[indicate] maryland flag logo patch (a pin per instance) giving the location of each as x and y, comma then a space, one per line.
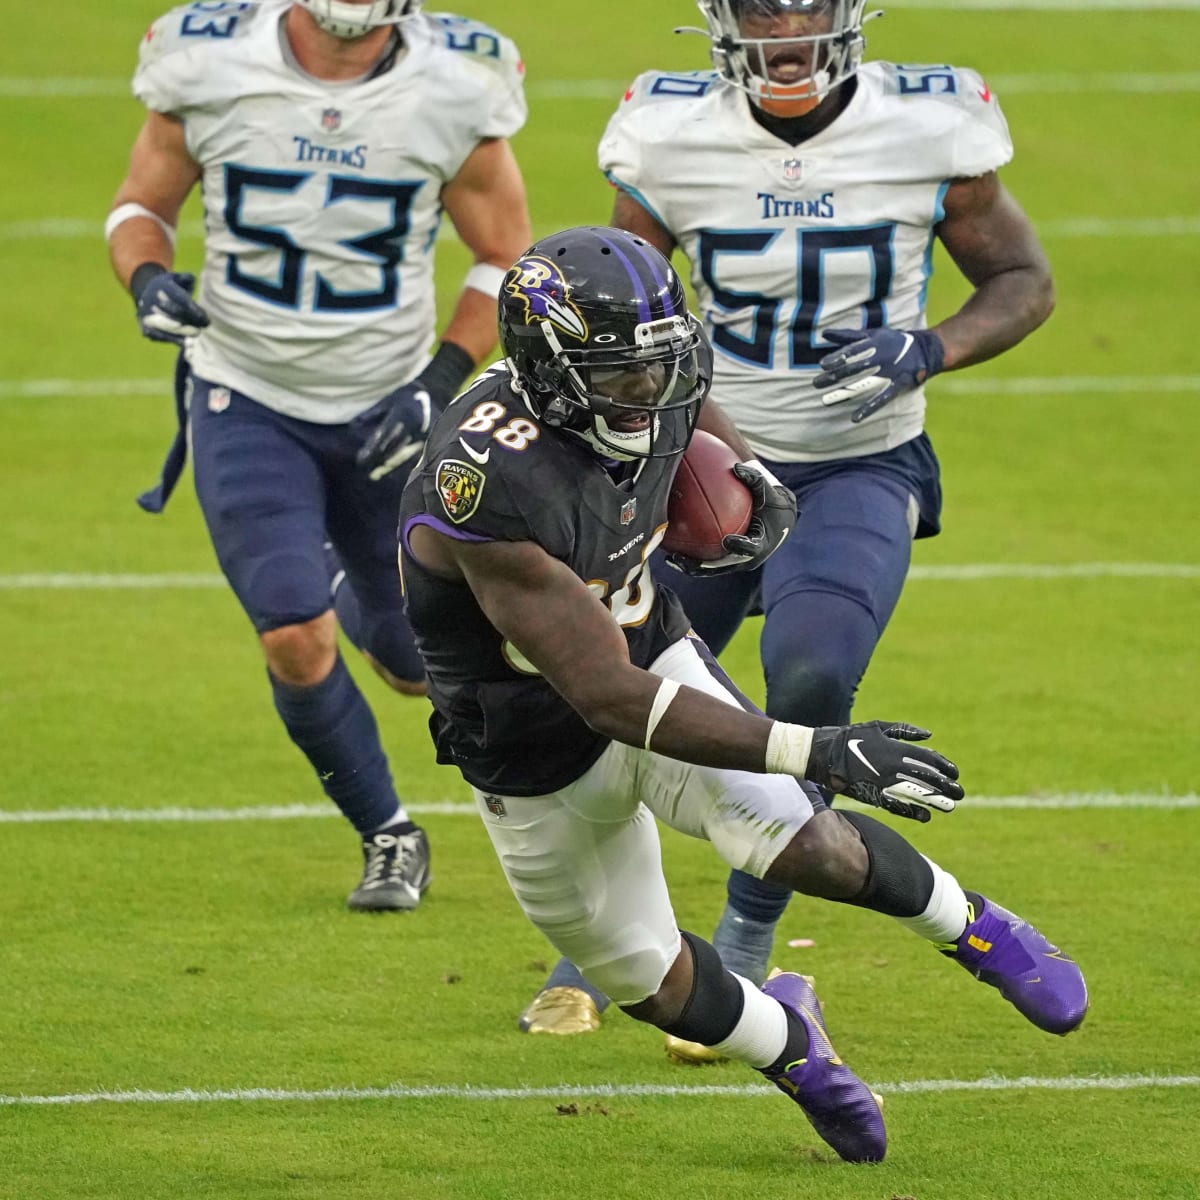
459, 485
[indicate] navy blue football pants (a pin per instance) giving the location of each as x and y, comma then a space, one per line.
273, 490
826, 595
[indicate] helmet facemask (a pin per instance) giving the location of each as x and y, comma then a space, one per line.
626, 401
349, 21
809, 46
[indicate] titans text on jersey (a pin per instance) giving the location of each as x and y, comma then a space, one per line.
788, 241
321, 215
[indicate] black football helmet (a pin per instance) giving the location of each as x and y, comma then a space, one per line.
595, 328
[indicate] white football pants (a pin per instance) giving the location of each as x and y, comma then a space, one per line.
585, 862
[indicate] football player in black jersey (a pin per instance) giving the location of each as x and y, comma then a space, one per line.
570, 694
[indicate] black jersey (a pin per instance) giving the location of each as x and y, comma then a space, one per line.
492, 472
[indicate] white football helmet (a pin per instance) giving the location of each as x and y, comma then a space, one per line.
824, 50
355, 20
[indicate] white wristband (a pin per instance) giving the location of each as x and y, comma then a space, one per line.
788, 749
485, 278
662, 701
127, 212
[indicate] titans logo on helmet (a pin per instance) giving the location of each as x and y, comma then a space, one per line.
546, 294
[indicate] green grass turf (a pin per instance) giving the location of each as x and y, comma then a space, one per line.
206, 956
217, 957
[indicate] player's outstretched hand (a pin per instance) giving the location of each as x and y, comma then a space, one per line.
394, 429
772, 518
874, 764
874, 366
166, 311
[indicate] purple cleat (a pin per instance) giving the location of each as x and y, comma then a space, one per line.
840, 1107
1035, 977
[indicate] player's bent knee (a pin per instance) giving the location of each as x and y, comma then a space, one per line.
388, 645
632, 978
817, 693
826, 858
406, 687
302, 655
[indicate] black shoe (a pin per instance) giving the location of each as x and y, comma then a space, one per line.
395, 871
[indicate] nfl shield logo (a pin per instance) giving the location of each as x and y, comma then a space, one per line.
628, 511
331, 120
793, 168
218, 399
495, 805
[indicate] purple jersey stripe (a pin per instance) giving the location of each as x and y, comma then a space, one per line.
460, 535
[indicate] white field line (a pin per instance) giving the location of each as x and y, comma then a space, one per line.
1106, 227
78, 87
71, 228
971, 385
398, 1091
1113, 570
63, 582
449, 808
1126, 6
956, 573
38, 389
1114, 83
1061, 385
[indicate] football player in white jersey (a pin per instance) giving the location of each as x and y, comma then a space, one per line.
805, 189
327, 137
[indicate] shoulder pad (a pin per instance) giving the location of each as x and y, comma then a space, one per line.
654, 86
965, 115
482, 461
176, 59
956, 86
478, 43
196, 26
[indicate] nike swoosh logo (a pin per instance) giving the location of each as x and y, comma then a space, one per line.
479, 458
986, 94
853, 747
908, 341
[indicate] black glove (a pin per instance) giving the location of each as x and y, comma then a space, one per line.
394, 429
772, 518
166, 311
873, 764
877, 365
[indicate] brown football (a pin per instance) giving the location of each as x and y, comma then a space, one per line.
708, 501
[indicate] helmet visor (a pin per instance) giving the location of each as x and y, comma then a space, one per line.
643, 399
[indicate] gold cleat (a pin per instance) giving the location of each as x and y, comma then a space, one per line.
691, 1054
561, 1010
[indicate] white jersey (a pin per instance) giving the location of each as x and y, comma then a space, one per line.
321, 200
785, 241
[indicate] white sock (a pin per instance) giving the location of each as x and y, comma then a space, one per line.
400, 814
945, 917
761, 1032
